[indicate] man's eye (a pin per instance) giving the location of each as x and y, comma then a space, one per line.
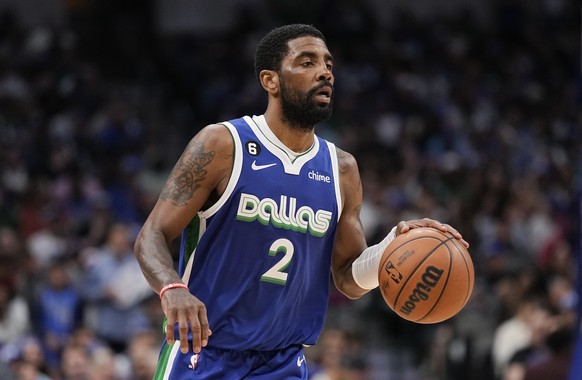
307, 63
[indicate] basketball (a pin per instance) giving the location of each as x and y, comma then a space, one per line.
426, 276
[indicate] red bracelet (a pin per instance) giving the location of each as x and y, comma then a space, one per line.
172, 286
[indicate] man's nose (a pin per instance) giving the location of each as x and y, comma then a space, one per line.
325, 74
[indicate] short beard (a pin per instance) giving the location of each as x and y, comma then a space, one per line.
301, 110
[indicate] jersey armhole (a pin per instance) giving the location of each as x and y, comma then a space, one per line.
335, 168
234, 175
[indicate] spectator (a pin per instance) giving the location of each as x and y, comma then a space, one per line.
75, 363
102, 365
31, 352
51, 241
58, 311
14, 315
28, 360
27, 371
515, 333
558, 362
331, 348
540, 327
114, 288
143, 352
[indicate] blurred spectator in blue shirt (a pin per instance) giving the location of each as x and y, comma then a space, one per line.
114, 288
58, 311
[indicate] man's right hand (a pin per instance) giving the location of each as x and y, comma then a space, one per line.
189, 313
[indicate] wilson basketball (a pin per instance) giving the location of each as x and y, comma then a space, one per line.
426, 276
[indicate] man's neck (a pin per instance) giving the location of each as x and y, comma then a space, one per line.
294, 137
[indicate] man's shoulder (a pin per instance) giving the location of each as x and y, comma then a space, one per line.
223, 127
345, 160
216, 133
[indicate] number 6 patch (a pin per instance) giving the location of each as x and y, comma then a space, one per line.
253, 148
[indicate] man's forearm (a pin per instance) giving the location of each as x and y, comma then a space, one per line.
154, 257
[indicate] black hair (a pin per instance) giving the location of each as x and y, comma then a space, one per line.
273, 46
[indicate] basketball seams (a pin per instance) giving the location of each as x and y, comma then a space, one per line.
436, 302
383, 261
427, 256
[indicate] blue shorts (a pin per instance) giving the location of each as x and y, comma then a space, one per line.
215, 363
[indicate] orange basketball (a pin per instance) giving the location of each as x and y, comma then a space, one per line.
426, 276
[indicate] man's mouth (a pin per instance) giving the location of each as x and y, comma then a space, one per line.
324, 94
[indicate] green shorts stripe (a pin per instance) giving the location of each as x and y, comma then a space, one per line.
166, 361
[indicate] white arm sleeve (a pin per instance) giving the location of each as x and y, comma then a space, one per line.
365, 267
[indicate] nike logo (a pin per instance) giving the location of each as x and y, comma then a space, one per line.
254, 166
300, 360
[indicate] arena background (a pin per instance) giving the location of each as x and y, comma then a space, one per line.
466, 111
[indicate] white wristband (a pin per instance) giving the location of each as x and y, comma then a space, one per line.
365, 267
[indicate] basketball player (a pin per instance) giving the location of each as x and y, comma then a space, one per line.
265, 209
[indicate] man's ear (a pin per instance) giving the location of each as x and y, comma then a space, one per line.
270, 81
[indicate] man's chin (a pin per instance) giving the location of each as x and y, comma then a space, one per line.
324, 106
307, 116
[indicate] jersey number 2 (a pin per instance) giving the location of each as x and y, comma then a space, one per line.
275, 274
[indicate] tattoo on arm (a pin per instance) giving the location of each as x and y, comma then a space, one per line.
187, 174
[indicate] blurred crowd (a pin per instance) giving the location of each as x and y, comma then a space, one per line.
469, 120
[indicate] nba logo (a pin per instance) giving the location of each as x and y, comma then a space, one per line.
393, 272
194, 361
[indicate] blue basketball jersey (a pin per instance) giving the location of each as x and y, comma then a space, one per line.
260, 257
